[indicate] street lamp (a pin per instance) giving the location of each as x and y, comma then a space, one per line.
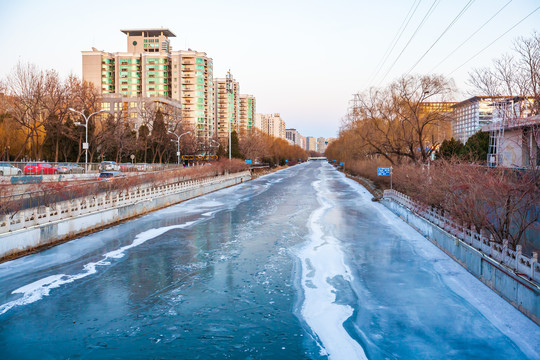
214, 146
85, 145
178, 143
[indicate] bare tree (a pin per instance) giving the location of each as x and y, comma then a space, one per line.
515, 74
393, 123
26, 86
56, 102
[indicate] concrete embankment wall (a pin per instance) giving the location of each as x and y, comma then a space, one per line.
517, 290
35, 228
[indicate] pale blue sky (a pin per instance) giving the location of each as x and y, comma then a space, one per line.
303, 59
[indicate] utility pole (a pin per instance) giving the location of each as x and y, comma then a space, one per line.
229, 86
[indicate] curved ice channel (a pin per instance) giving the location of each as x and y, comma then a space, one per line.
322, 260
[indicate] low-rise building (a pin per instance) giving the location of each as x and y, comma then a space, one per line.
440, 128
471, 115
517, 143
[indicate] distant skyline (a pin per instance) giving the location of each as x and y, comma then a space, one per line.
302, 59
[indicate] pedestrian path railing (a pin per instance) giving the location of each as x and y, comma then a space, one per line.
92, 204
513, 259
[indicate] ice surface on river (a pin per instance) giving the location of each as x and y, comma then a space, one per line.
298, 264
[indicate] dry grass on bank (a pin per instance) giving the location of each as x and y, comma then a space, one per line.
503, 202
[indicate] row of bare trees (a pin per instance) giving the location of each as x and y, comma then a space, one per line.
36, 123
393, 122
35, 111
392, 127
516, 73
269, 149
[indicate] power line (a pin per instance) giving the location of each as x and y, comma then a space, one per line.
467, 6
429, 12
476, 32
491, 43
398, 35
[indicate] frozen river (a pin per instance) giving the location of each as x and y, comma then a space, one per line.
299, 264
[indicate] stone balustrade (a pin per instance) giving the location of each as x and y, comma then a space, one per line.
501, 253
91, 204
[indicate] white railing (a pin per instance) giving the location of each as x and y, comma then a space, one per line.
501, 253
95, 203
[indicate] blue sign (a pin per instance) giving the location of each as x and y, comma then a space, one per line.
341, 163
286, 161
384, 171
248, 162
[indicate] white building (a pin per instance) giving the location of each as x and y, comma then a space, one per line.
271, 124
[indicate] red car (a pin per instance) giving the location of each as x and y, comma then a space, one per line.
39, 168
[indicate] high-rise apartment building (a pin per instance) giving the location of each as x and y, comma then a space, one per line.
293, 137
193, 85
151, 70
227, 106
311, 143
303, 142
261, 122
246, 117
321, 145
271, 124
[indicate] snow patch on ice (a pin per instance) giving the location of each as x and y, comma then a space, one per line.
321, 260
36, 290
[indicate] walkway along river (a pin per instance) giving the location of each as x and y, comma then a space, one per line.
297, 264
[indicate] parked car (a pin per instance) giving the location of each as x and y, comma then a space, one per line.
109, 166
39, 168
141, 166
70, 168
128, 167
8, 169
110, 175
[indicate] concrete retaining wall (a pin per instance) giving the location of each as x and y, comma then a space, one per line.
514, 288
41, 227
